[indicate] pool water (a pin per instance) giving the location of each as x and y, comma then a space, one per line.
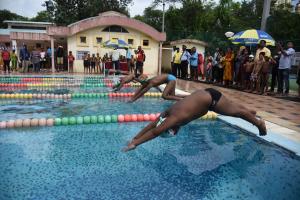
206, 160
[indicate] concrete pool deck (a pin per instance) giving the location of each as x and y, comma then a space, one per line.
282, 116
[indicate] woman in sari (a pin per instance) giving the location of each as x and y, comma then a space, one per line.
228, 67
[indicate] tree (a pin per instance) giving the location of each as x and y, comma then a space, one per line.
7, 15
42, 16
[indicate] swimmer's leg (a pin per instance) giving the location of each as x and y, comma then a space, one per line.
152, 132
227, 107
169, 92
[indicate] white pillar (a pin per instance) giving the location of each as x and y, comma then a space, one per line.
159, 58
266, 14
52, 55
14, 46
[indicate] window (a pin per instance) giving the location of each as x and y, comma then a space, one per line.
116, 29
80, 54
146, 43
99, 40
82, 39
130, 41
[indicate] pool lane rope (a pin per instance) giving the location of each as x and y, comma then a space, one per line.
75, 95
94, 119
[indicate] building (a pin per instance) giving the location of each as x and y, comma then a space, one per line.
168, 48
87, 35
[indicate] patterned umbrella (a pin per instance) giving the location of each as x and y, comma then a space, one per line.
252, 37
115, 43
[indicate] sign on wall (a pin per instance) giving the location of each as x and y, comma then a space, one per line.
80, 54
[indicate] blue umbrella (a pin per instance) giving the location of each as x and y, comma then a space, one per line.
115, 43
252, 37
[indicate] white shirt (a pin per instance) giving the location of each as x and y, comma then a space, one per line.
115, 55
285, 61
43, 54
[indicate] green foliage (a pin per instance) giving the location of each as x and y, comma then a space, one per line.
42, 16
7, 15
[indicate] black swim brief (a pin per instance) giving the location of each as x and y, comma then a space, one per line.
215, 96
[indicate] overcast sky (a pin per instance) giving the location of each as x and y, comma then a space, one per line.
29, 8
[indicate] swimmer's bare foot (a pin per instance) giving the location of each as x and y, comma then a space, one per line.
262, 128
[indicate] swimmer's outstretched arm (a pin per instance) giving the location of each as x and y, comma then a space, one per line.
140, 92
151, 133
122, 82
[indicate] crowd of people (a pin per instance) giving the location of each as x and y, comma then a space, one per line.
96, 64
241, 70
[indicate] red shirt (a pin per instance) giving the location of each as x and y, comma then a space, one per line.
71, 58
5, 55
140, 56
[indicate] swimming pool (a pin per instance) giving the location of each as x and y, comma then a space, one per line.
207, 160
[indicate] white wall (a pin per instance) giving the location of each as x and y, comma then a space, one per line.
150, 65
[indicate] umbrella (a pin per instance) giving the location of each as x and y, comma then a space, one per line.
115, 43
252, 37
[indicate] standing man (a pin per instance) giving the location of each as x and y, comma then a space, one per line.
115, 56
215, 67
185, 57
176, 63
174, 72
194, 64
140, 59
60, 58
262, 48
128, 59
36, 59
24, 57
6, 60
275, 66
285, 64
49, 56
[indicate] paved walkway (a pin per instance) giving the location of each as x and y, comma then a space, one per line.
278, 111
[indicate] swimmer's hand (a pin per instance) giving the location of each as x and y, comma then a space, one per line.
129, 147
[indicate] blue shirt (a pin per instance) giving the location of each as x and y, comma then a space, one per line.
24, 54
194, 59
185, 56
128, 54
49, 52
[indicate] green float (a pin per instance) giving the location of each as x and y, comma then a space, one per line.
57, 121
79, 120
72, 120
107, 119
64, 121
100, 119
94, 119
86, 119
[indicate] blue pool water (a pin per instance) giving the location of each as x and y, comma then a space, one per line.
206, 160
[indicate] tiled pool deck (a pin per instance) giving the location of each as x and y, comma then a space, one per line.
282, 116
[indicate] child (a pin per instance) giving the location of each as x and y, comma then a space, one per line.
209, 70
249, 65
256, 73
98, 62
264, 76
71, 61
88, 58
131, 64
85, 63
93, 63
14, 60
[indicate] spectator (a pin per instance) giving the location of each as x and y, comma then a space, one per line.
88, 62
228, 67
248, 66
185, 57
24, 56
215, 67
208, 70
14, 60
275, 64
285, 64
105, 59
140, 59
60, 58
43, 58
174, 50
255, 75
241, 73
98, 63
176, 63
6, 60
221, 67
115, 56
194, 64
36, 59
49, 56
128, 59
264, 76
71, 59
262, 48
200, 63
208, 59
298, 80
85, 63
93, 63
1, 60
239, 59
